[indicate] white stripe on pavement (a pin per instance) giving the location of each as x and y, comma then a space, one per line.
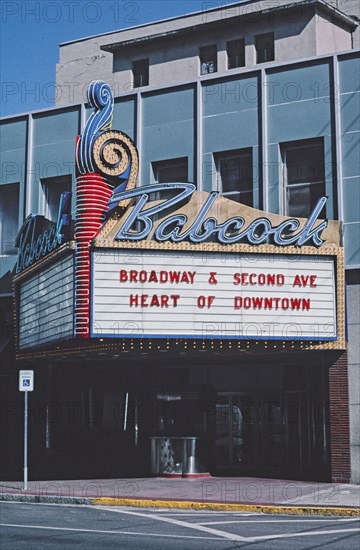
186, 524
276, 521
172, 512
224, 534
98, 531
305, 534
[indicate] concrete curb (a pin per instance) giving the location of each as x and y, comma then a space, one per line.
193, 505
185, 505
44, 499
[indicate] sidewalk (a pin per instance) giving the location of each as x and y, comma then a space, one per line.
245, 493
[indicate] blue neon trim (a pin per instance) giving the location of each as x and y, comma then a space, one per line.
91, 298
225, 337
74, 293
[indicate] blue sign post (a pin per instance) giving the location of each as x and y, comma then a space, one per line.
26, 384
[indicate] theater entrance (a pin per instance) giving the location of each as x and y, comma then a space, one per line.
271, 434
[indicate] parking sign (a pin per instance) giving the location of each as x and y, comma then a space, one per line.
26, 380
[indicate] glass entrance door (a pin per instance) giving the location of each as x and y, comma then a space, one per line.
223, 444
230, 450
262, 433
295, 430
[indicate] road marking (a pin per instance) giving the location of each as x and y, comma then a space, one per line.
221, 534
305, 534
98, 531
230, 536
50, 504
171, 512
168, 511
274, 521
186, 524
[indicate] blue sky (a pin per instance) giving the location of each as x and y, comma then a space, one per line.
32, 30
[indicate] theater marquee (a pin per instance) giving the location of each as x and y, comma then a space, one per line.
168, 294
171, 262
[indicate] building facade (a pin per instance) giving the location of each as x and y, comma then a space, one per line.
262, 106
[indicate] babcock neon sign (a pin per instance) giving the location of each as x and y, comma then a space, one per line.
204, 228
39, 236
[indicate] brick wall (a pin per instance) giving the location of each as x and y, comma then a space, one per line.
339, 420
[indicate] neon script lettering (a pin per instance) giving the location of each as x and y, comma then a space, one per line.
33, 245
38, 236
138, 225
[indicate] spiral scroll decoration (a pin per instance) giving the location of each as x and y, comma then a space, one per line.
115, 156
99, 96
107, 162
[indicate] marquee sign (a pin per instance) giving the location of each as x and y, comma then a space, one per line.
168, 294
168, 261
46, 305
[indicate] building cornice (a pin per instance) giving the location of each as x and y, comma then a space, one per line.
150, 31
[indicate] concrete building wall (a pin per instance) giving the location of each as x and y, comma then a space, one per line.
352, 8
329, 37
73, 76
80, 49
174, 54
178, 58
353, 316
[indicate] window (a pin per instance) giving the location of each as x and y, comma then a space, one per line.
236, 53
52, 189
234, 173
208, 59
9, 217
140, 70
303, 176
171, 171
264, 44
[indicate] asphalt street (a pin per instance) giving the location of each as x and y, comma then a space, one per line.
52, 526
